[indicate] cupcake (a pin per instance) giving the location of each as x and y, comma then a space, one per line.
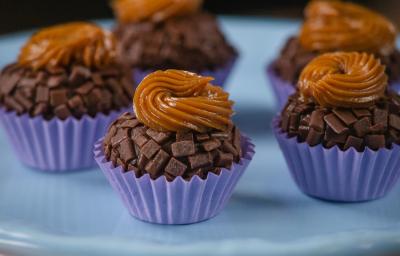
171, 34
61, 93
340, 132
179, 157
331, 26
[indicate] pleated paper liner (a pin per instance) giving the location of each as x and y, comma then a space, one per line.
55, 145
337, 175
220, 74
179, 201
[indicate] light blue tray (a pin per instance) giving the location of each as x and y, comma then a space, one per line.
79, 214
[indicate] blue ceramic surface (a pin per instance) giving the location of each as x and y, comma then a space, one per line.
79, 214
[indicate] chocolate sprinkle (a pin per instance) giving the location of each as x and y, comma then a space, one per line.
193, 42
64, 92
375, 127
143, 150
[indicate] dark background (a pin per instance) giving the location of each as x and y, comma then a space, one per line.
16, 15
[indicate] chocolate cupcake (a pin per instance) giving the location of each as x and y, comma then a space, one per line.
180, 150
164, 34
340, 133
331, 26
60, 94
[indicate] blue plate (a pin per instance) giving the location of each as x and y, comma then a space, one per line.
79, 214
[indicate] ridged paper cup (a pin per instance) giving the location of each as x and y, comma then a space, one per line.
220, 74
337, 175
179, 201
55, 145
282, 89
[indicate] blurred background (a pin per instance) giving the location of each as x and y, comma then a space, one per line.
19, 15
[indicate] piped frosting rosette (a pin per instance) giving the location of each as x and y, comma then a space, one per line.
155, 10
335, 25
174, 100
76, 42
343, 80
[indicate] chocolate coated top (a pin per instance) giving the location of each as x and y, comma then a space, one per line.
193, 42
376, 127
135, 147
63, 92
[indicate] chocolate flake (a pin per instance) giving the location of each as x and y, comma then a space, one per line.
183, 148
150, 148
335, 124
133, 146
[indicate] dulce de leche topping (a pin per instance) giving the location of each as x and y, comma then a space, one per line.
343, 79
155, 10
60, 45
175, 100
334, 25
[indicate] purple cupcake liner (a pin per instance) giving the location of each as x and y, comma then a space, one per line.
179, 201
337, 175
220, 74
282, 89
55, 145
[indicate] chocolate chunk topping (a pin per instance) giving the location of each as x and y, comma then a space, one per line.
200, 160
314, 137
293, 58
150, 148
211, 144
374, 127
63, 92
175, 167
62, 111
335, 124
159, 137
58, 97
42, 94
394, 121
55, 81
361, 112
127, 151
353, 142
9, 83
155, 165
317, 121
345, 115
184, 136
362, 126
183, 148
375, 141
380, 116
138, 148
191, 42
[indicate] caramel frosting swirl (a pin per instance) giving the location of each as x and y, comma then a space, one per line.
128, 11
343, 79
76, 42
176, 100
338, 26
